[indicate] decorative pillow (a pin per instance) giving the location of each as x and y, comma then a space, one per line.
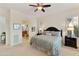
46, 33
52, 33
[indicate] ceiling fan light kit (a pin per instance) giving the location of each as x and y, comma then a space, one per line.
40, 6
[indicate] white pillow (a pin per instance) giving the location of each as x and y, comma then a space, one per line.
47, 33
52, 33
55, 33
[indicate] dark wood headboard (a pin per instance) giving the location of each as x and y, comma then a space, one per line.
53, 29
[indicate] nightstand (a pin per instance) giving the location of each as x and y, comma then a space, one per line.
71, 41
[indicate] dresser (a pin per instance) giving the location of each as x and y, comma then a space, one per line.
71, 42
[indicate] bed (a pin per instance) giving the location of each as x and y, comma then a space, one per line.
50, 43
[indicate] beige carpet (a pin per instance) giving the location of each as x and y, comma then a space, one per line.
26, 50
69, 51
20, 50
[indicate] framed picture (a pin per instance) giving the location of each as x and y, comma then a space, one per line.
16, 26
33, 29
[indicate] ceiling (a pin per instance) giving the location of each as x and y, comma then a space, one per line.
29, 11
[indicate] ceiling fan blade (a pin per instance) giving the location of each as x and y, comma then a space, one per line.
43, 10
35, 10
33, 5
46, 5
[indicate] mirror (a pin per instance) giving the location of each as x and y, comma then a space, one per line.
72, 26
16, 26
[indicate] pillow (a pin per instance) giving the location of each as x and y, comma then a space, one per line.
52, 33
55, 33
46, 33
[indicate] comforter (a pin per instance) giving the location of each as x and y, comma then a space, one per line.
48, 42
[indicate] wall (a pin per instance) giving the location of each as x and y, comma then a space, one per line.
33, 24
2, 24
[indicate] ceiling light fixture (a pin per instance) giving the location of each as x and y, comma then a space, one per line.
40, 6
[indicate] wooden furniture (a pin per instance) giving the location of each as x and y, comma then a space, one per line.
25, 33
70, 41
53, 29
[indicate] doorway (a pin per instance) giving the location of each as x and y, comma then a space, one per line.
2, 30
25, 32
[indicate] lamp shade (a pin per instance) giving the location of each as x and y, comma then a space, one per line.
70, 27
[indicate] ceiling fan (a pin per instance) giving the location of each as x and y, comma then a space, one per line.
40, 6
